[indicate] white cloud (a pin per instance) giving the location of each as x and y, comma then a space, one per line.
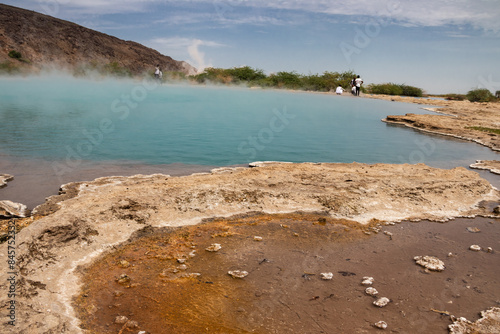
481, 14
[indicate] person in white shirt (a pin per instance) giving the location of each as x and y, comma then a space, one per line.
157, 72
339, 90
358, 82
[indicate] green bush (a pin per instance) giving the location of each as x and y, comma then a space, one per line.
15, 54
455, 97
394, 89
480, 95
289, 80
497, 94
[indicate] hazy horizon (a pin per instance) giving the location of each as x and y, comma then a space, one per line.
439, 46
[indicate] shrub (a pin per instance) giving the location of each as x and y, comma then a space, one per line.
497, 94
15, 54
480, 95
394, 89
454, 97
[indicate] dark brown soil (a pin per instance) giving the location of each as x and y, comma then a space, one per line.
283, 292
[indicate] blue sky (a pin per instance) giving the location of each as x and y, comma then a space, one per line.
441, 46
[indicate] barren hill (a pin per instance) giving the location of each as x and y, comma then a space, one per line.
42, 40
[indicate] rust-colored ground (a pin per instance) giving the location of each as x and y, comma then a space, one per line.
283, 292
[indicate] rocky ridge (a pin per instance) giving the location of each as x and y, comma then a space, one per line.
45, 41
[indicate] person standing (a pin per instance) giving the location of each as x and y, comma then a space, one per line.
157, 72
358, 83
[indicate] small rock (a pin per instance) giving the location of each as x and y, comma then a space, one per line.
388, 233
381, 324
450, 254
367, 280
124, 264
191, 275
117, 293
237, 273
496, 210
123, 279
257, 238
430, 262
326, 276
473, 229
9, 209
192, 253
489, 250
295, 234
121, 319
182, 267
213, 248
381, 302
475, 248
181, 261
371, 291
132, 324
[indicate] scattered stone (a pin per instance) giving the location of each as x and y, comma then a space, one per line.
371, 291
367, 280
121, 319
388, 233
489, 250
381, 324
381, 302
123, 279
182, 267
450, 254
118, 293
430, 262
141, 332
237, 273
213, 248
9, 209
4, 178
124, 264
326, 276
475, 248
295, 234
257, 238
191, 275
182, 261
192, 253
489, 323
132, 324
473, 229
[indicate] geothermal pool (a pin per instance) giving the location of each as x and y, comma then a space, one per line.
58, 128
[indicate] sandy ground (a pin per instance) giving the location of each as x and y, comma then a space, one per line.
457, 119
90, 219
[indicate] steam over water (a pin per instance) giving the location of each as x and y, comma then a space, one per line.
62, 126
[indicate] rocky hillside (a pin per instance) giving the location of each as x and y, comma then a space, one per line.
40, 40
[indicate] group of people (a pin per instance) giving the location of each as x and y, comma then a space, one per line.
356, 83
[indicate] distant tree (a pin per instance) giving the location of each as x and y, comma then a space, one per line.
497, 94
480, 95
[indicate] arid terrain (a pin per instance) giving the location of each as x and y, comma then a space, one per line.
326, 212
473, 121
